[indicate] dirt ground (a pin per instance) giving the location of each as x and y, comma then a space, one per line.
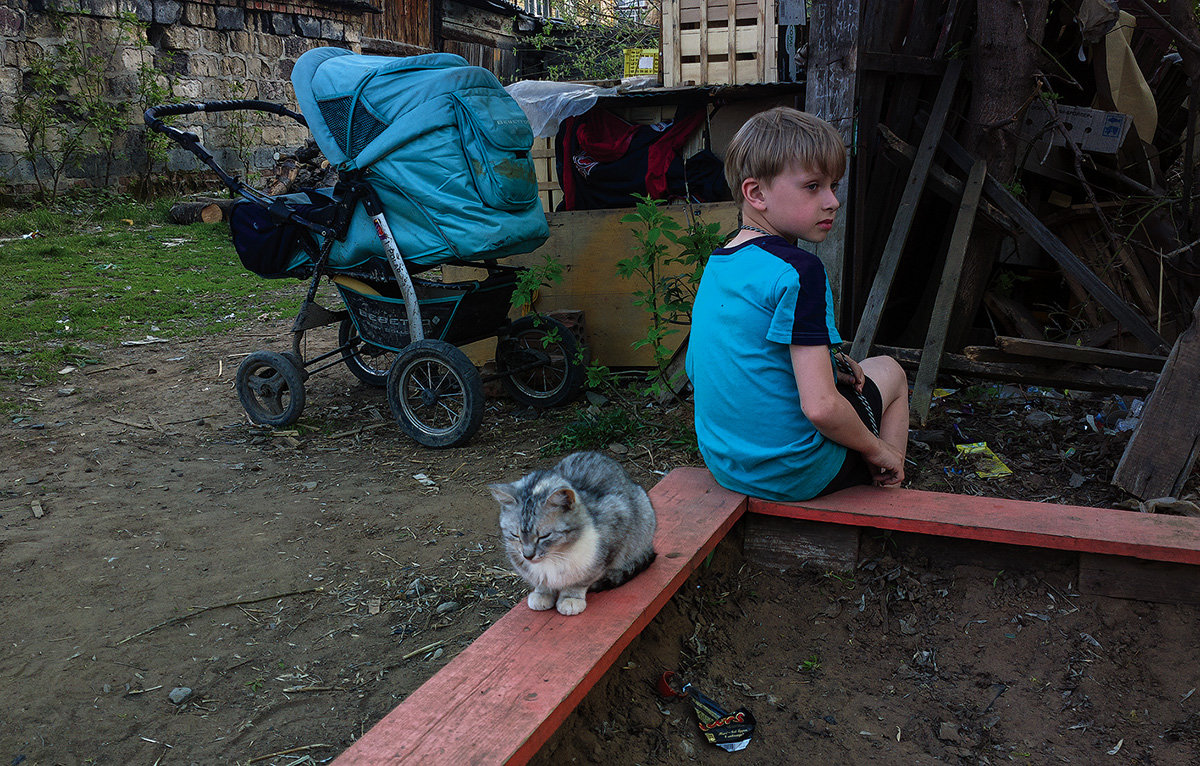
334, 581
301, 585
909, 661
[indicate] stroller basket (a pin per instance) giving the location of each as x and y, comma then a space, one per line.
454, 312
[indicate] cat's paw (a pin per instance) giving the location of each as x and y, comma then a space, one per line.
540, 602
569, 606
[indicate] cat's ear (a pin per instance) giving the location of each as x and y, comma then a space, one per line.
503, 494
561, 499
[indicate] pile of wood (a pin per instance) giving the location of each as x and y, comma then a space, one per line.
1028, 211
306, 168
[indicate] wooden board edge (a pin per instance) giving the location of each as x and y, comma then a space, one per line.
1066, 540
559, 715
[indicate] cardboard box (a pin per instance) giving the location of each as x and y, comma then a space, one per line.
1093, 130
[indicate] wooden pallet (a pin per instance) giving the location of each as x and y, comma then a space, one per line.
719, 42
500, 699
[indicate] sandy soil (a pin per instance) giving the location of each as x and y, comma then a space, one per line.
302, 585
909, 661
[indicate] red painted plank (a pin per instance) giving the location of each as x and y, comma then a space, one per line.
505, 694
1043, 525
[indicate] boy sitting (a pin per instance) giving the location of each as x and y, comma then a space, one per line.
780, 413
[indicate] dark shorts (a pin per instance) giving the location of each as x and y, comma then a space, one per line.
855, 470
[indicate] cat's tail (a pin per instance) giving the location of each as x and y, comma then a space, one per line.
615, 577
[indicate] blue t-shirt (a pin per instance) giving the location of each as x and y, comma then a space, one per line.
755, 300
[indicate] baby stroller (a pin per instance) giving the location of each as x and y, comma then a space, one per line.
434, 169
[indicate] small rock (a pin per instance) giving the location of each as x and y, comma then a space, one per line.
447, 606
617, 448
180, 695
32, 479
687, 748
1038, 419
307, 486
595, 399
67, 391
1076, 481
948, 732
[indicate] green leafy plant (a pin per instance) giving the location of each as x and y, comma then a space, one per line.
156, 81
586, 39
62, 107
667, 262
810, 665
532, 279
241, 133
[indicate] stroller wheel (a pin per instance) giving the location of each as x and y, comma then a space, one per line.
540, 360
271, 388
297, 361
368, 362
436, 394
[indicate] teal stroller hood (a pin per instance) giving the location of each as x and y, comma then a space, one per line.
440, 141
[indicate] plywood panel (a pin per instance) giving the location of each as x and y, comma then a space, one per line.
589, 243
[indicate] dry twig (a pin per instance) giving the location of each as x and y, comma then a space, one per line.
202, 610
289, 751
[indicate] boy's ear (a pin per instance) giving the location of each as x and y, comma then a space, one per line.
752, 192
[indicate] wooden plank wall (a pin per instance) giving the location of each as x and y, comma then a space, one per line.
402, 21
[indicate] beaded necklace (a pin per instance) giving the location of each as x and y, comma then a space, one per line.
748, 227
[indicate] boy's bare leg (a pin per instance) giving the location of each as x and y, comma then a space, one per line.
889, 376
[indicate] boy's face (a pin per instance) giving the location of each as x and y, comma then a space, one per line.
800, 204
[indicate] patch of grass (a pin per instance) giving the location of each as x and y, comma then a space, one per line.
114, 272
597, 429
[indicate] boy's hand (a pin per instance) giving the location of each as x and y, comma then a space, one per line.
887, 465
855, 376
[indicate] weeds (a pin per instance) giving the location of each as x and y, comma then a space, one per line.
600, 427
669, 279
597, 429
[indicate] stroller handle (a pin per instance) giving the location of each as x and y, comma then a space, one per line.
155, 113
190, 141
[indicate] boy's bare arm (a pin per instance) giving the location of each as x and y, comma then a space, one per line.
835, 418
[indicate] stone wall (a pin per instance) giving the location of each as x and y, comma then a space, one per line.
216, 49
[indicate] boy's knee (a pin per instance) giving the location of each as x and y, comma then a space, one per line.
888, 375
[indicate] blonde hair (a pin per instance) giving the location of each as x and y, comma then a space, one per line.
772, 141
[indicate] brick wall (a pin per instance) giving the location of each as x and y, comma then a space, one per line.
219, 50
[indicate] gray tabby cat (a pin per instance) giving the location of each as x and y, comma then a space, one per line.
582, 525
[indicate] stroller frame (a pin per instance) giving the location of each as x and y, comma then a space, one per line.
433, 389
